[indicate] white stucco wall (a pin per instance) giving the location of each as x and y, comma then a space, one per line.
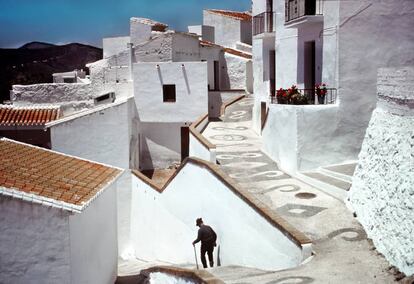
93, 240
123, 192
217, 99
382, 188
34, 243
349, 36
234, 75
138, 31
114, 45
185, 47
198, 150
211, 54
101, 136
190, 79
158, 49
386, 22
261, 75
258, 7
160, 144
205, 32
163, 224
227, 31
298, 137
52, 93
246, 32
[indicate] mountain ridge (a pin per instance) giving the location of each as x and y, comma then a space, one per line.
35, 62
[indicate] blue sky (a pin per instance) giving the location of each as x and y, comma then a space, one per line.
87, 21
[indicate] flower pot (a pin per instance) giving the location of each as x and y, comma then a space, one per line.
321, 99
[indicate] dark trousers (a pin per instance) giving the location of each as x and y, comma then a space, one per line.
207, 248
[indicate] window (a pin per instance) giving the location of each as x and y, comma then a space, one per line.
106, 98
68, 80
168, 93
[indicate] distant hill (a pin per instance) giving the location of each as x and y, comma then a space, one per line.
36, 45
35, 62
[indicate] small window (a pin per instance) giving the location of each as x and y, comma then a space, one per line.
68, 80
168, 93
106, 98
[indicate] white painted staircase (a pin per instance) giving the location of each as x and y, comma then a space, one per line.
334, 180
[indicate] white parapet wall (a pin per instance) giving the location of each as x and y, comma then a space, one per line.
200, 147
101, 134
52, 93
114, 45
163, 224
382, 192
301, 137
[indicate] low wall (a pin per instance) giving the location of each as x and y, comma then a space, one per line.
382, 189
101, 134
52, 93
302, 137
200, 147
163, 221
235, 73
216, 100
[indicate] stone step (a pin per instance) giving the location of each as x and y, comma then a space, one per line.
236, 273
343, 172
330, 185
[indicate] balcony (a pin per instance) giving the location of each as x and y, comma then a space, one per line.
263, 23
298, 12
310, 97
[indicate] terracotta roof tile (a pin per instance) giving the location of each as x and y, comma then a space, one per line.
27, 116
243, 16
49, 174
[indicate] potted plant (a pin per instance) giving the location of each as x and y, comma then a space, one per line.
295, 97
282, 96
321, 91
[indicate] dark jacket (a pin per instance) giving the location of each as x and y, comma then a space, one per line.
206, 235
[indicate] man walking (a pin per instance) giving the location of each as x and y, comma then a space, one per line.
208, 238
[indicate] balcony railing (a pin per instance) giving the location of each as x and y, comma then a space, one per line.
312, 98
263, 23
295, 9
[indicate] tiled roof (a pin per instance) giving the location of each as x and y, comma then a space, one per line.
149, 22
27, 116
243, 16
46, 175
226, 49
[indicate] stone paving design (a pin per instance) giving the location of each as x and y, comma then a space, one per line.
298, 210
324, 219
360, 234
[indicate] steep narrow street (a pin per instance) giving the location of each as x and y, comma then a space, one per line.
342, 250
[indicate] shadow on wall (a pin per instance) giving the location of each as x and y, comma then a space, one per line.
224, 74
160, 144
133, 116
186, 79
145, 161
309, 56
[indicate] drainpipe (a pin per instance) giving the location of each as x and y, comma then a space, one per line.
130, 58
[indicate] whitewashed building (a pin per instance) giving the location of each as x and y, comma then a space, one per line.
174, 77
58, 216
342, 44
230, 27
76, 76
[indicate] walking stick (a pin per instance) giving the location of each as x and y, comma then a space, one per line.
195, 255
